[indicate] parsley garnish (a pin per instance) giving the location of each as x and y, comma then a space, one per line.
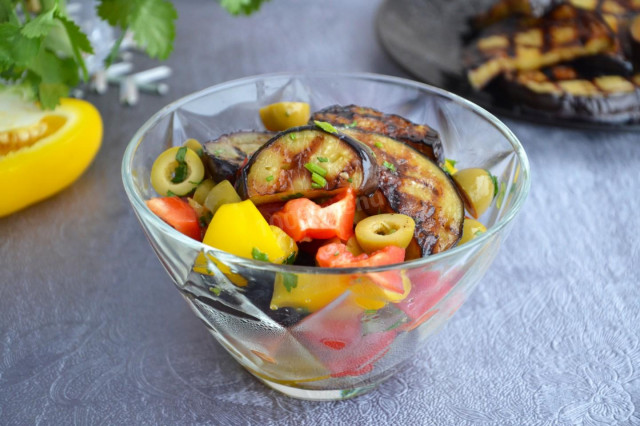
350, 180
289, 281
292, 136
314, 168
378, 144
323, 159
495, 183
182, 151
215, 290
290, 259
269, 178
217, 152
327, 127
170, 193
389, 166
336, 253
258, 255
354, 123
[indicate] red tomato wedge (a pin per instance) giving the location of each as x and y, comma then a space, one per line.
177, 213
303, 219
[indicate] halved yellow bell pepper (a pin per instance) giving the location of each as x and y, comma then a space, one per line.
43, 152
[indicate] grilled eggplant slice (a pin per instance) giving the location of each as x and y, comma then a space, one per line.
563, 34
414, 185
225, 155
307, 162
564, 92
420, 136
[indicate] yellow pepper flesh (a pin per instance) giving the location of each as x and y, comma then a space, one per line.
62, 153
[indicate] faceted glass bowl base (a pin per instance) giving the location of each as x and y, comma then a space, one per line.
317, 395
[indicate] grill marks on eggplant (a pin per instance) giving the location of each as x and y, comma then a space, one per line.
277, 170
420, 136
414, 185
563, 34
566, 92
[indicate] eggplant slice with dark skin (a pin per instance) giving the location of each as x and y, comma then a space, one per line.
283, 168
420, 136
562, 91
565, 33
227, 154
414, 185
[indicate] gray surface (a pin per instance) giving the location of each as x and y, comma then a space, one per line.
93, 332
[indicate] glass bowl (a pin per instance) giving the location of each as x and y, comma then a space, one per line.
352, 342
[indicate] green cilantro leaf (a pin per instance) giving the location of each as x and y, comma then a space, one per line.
79, 42
289, 281
50, 94
290, 259
215, 290
495, 184
241, 7
389, 166
258, 255
327, 127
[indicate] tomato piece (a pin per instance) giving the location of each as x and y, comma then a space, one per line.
337, 255
177, 213
303, 219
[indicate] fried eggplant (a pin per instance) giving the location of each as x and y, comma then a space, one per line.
420, 136
225, 155
562, 91
414, 185
563, 34
307, 162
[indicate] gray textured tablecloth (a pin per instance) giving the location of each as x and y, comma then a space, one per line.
93, 332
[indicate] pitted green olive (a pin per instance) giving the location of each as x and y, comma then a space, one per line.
471, 229
284, 115
477, 188
382, 230
203, 190
222, 193
177, 171
194, 145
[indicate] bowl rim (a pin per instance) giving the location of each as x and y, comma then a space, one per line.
140, 206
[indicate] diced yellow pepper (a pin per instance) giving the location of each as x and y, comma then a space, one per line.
307, 291
369, 295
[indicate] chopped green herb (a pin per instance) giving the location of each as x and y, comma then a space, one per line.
370, 311
314, 168
449, 166
316, 186
350, 180
389, 166
170, 194
269, 178
495, 183
396, 324
336, 253
478, 233
180, 173
202, 221
378, 144
353, 124
258, 255
293, 196
323, 159
289, 281
290, 259
318, 179
215, 290
182, 151
292, 136
200, 152
327, 127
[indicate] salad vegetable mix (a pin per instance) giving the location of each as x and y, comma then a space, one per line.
344, 187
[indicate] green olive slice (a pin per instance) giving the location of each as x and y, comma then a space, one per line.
477, 188
382, 230
165, 177
471, 229
203, 190
222, 193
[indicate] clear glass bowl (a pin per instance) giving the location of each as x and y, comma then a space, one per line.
352, 344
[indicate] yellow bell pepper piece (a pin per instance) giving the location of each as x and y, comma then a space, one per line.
307, 291
240, 229
369, 295
43, 152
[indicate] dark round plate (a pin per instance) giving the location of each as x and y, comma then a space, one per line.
425, 38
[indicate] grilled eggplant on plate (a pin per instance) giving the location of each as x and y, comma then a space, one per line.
573, 59
420, 136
